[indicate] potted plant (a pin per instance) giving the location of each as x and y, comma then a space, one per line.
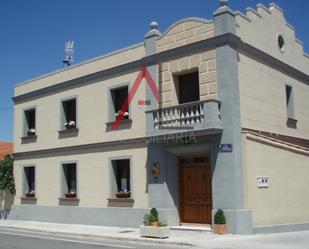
70, 124
70, 194
123, 194
30, 194
31, 132
122, 115
153, 227
219, 225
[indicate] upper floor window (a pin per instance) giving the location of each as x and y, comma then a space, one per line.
188, 87
281, 43
120, 106
29, 188
289, 92
68, 119
29, 124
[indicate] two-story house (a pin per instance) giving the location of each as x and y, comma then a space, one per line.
209, 114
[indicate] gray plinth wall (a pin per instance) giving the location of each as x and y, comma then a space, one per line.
118, 217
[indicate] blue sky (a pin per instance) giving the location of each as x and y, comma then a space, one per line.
33, 33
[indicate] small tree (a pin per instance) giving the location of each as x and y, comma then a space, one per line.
219, 217
6, 174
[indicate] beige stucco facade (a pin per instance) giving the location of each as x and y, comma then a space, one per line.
262, 88
263, 107
92, 116
263, 99
93, 177
284, 200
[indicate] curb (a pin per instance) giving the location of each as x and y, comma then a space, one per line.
141, 239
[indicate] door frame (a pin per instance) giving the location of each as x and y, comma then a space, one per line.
180, 179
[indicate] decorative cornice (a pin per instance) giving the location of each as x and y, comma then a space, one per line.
137, 142
76, 149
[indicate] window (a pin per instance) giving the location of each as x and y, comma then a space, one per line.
119, 98
280, 43
69, 113
188, 88
69, 187
29, 188
289, 101
29, 125
291, 121
121, 178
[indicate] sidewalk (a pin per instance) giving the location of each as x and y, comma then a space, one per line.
185, 238
204, 239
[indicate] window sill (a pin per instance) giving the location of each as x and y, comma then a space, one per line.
291, 123
68, 199
120, 202
123, 124
29, 139
25, 200
67, 131
123, 121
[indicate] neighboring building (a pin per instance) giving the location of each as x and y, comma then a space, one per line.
6, 198
231, 129
6, 148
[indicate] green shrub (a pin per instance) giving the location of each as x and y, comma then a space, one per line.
219, 217
6, 174
154, 213
149, 219
152, 217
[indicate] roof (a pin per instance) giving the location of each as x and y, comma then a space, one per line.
6, 148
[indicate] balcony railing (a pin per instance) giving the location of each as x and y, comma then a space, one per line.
194, 115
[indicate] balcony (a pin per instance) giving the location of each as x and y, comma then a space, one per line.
198, 116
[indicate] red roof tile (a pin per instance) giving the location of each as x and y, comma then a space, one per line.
5, 149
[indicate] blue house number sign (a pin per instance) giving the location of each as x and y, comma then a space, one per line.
225, 148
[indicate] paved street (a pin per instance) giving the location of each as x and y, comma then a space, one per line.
13, 239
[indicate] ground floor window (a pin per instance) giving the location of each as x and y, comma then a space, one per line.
69, 171
121, 178
29, 173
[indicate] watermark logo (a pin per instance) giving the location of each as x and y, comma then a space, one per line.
143, 74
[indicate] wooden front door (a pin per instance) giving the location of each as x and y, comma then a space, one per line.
195, 190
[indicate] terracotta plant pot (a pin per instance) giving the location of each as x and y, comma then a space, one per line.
70, 195
155, 224
30, 195
220, 229
123, 195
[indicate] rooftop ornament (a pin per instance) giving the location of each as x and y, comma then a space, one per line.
224, 3
154, 25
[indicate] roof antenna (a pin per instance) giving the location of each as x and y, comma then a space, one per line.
68, 53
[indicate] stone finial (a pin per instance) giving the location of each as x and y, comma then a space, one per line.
154, 25
224, 2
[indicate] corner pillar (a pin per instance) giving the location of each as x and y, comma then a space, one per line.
228, 183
